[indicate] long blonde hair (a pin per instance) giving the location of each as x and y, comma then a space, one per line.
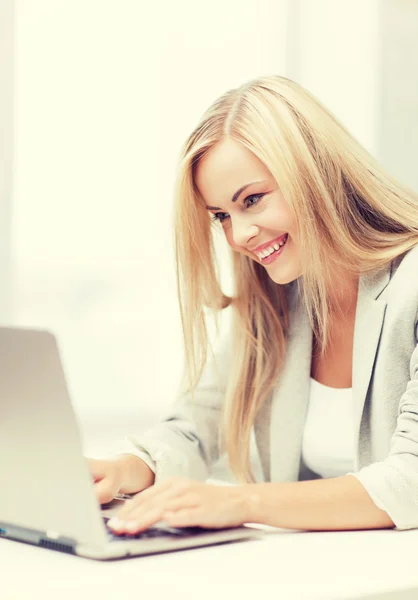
349, 214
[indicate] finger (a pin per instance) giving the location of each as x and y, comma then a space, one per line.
96, 468
105, 490
199, 517
153, 497
187, 501
133, 508
185, 517
141, 513
148, 514
142, 497
132, 526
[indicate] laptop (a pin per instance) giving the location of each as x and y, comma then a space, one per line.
47, 495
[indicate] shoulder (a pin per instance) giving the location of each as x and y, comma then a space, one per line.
402, 303
403, 285
407, 262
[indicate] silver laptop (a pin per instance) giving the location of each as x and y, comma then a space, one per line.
46, 491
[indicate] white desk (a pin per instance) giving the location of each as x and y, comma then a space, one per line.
284, 565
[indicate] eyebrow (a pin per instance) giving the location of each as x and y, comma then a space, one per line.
236, 195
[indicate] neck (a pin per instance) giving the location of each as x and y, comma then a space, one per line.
343, 295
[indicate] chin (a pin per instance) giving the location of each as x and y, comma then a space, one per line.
282, 278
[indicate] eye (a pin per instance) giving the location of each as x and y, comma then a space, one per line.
257, 196
221, 216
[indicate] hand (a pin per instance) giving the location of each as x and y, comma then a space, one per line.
182, 502
126, 473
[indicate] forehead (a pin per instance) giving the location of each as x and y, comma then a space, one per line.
226, 167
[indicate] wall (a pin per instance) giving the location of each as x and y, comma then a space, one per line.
7, 114
106, 93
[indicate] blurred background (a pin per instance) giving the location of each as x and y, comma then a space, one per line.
96, 99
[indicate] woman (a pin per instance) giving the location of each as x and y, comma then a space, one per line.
322, 358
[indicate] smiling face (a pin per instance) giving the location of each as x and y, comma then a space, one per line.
252, 217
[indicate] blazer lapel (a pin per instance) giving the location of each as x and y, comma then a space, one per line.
370, 315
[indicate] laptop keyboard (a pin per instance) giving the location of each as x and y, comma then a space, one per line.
154, 532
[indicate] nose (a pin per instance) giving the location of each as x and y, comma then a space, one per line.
243, 231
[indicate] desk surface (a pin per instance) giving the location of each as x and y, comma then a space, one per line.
285, 564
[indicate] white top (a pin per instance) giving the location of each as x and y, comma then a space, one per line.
328, 437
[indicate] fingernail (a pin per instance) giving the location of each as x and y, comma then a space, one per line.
115, 523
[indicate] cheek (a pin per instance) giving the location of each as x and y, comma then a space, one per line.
231, 243
236, 248
229, 239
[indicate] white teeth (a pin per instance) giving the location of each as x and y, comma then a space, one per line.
267, 252
271, 249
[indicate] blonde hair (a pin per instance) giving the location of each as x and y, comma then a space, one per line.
349, 214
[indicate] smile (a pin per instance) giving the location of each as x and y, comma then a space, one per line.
270, 254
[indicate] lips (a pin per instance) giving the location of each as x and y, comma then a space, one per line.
273, 256
268, 244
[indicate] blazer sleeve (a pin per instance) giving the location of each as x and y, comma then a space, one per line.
186, 441
393, 483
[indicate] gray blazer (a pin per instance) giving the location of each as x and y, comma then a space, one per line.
385, 400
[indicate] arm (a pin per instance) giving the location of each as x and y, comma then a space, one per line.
380, 495
338, 503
